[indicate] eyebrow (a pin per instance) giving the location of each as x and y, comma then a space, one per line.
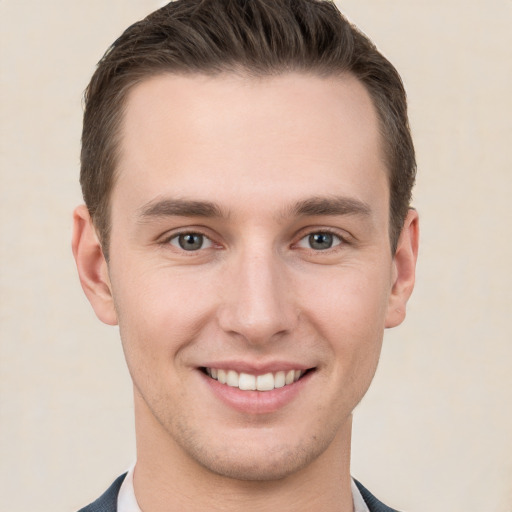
331, 205
179, 207
313, 206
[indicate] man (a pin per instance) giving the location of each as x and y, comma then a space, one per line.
247, 169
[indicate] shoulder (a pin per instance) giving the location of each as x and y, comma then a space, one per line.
373, 503
107, 502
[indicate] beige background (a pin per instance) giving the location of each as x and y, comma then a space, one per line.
435, 431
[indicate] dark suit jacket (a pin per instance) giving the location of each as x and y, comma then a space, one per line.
107, 502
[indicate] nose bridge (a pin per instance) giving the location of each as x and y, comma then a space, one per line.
258, 301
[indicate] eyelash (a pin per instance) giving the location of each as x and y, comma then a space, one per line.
175, 236
339, 241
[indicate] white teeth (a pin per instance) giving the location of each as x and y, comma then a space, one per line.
265, 382
279, 379
248, 382
232, 379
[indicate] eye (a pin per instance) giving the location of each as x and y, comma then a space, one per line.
320, 241
190, 241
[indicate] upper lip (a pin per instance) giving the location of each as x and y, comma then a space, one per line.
256, 368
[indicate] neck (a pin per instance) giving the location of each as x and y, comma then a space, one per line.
166, 478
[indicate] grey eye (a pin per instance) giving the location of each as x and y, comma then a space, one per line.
190, 241
320, 241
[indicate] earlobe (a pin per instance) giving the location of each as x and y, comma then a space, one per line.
404, 263
92, 267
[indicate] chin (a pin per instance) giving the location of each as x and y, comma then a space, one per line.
262, 468
256, 459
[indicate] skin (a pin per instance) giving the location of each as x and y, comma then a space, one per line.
282, 158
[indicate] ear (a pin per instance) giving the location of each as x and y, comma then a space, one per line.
404, 270
92, 267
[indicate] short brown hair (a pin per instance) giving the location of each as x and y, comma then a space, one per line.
256, 37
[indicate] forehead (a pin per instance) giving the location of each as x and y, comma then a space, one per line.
295, 131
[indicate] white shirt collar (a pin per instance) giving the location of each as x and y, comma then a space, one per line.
127, 502
357, 498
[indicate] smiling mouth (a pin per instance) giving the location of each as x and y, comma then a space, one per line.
249, 382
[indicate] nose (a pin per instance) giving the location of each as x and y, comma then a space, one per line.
258, 303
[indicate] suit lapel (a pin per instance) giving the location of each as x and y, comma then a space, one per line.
373, 503
107, 502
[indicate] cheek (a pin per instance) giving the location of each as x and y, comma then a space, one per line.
354, 300
159, 315
350, 315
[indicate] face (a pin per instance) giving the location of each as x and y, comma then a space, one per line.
251, 269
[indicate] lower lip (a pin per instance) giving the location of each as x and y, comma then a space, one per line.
256, 402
